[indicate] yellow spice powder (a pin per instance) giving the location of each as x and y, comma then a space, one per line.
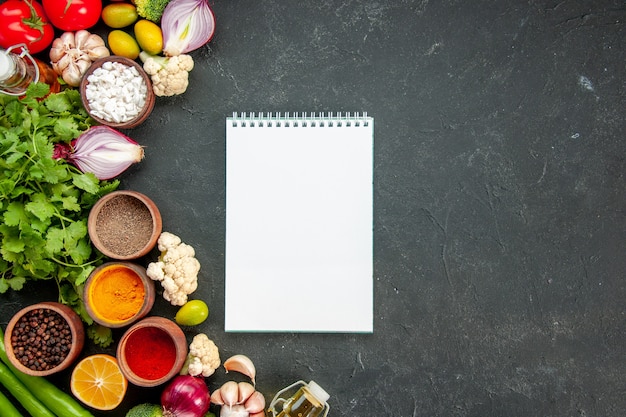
117, 293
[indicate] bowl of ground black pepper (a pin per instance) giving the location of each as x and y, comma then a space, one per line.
44, 338
124, 225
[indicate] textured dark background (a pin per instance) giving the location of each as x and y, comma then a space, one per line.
499, 197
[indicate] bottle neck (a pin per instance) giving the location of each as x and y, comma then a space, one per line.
302, 404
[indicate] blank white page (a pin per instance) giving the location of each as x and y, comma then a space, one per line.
299, 217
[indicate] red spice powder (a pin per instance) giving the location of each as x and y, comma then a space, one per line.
150, 353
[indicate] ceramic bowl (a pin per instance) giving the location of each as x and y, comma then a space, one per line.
47, 321
124, 225
152, 351
118, 294
121, 98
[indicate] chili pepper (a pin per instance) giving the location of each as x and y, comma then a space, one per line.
7, 407
56, 400
22, 394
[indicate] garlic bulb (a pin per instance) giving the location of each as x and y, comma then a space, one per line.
239, 399
72, 53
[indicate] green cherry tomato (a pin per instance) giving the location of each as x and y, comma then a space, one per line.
119, 15
192, 313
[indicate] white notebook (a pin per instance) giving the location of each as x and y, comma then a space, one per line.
299, 223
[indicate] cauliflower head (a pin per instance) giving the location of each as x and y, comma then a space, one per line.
177, 269
204, 356
169, 75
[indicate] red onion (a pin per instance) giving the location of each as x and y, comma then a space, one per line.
101, 150
186, 26
185, 396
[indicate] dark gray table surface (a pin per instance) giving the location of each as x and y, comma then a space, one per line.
499, 260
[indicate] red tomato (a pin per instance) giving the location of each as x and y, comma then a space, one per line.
24, 23
73, 15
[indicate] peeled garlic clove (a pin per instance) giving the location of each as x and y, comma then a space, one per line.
242, 364
230, 393
245, 391
216, 397
255, 403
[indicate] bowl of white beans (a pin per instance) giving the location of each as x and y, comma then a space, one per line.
117, 92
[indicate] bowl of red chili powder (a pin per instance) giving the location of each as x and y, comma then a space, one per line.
44, 338
152, 351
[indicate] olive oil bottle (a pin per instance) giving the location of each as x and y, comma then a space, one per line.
18, 70
310, 400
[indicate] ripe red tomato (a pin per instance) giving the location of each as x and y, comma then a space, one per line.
73, 15
25, 23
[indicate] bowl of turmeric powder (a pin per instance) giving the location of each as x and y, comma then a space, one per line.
118, 293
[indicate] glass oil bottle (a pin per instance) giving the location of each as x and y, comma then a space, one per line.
18, 70
310, 400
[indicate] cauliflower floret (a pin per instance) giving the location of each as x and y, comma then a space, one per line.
168, 240
169, 75
177, 269
203, 358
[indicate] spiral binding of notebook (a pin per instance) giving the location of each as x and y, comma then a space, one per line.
299, 119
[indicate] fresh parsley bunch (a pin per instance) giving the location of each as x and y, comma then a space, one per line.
45, 202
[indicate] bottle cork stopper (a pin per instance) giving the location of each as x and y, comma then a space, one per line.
318, 391
7, 66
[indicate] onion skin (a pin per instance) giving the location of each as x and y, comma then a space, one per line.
185, 396
186, 25
101, 150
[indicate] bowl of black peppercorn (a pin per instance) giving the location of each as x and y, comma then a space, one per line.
44, 338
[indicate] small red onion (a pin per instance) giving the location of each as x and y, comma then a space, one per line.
101, 150
186, 26
185, 396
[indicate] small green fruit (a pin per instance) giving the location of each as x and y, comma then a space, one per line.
192, 313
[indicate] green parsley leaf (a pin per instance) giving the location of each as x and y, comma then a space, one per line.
101, 335
13, 244
36, 91
14, 214
45, 203
40, 207
86, 181
59, 103
67, 129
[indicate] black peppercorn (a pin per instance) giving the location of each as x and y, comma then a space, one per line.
41, 340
